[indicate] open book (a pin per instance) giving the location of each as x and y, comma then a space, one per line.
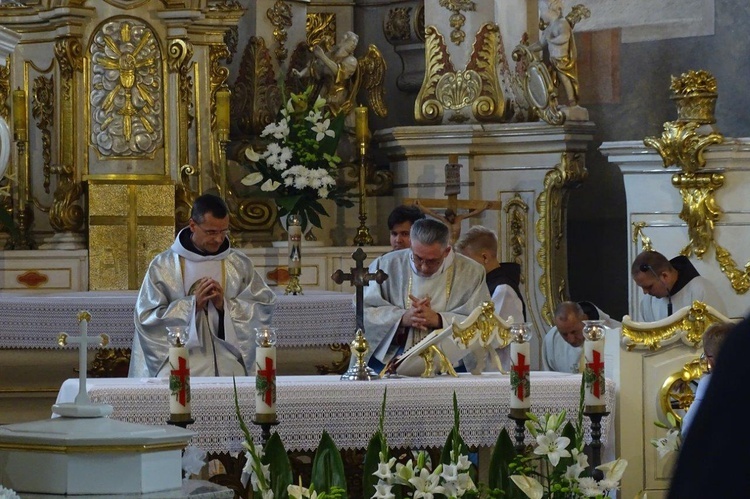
411, 364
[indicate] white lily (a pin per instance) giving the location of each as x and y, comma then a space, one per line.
252, 178
319, 103
404, 472
613, 470
529, 486
252, 155
383, 491
579, 466
426, 483
321, 129
384, 470
270, 185
552, 446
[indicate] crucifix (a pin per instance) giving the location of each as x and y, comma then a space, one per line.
452, 204
82, 407
359, 277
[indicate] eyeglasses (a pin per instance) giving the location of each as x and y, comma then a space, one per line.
214, 233
422, 262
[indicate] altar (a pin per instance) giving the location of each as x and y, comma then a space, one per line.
418, 413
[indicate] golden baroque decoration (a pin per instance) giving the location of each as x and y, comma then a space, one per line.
280, 16
218, 76
397, 25
477, 86
256, 97
680, 145
517, 213
699, 208
43, 112
695, 94
65, 215
5, 89
126, 90
687, 324
254, 214
180, 54
321, 29
457, 19
739, 279
184, 195
676, 393
638, 233
538, 87
551, 205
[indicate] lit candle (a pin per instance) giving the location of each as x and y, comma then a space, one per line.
179, 374
520, 370
20, 115
361, 129
294, 231
593, 371
265, 375
223, 96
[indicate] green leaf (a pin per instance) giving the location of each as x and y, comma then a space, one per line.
372, 460
279, 466
502, 456
327, 467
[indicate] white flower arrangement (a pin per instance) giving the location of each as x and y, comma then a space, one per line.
300, 165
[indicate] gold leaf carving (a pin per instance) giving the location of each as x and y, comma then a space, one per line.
490, 106
517, 226
280, 16
256, 98
687, 325
428, 110
682, 146
739, 279
321, 29
699, 208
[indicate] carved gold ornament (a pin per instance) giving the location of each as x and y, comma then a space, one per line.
457, 19
680, 145
699, 208
483, 332
397, 25
676, 394
477, 87
280, 16
321, 29
686, 324
517, 221
551, 206
538, 87
180, 55
126, 90
638, 234
256, 97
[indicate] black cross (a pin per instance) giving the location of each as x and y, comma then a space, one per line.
359, 277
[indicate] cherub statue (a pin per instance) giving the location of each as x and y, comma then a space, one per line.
451, 218
340, 75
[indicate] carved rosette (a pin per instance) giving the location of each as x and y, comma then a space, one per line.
551, 207
477, 87
397, 24
280, 16
127, 118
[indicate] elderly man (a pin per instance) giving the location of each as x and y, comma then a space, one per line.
563, 344
399, 225
202, 283
669, 285
428, 287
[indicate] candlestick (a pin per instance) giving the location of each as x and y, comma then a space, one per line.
294, 233
361, 130
593, 372
265, 374
20, 115
520, 370
179, 374
223, 96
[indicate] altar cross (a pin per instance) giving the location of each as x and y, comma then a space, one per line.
359, 277
84, 317
596, 367
522, 370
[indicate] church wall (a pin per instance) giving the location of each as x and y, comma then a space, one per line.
597, 212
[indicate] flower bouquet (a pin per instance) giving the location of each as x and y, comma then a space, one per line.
299, 166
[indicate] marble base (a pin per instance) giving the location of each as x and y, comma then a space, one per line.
91, 456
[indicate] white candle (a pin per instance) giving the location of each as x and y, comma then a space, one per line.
179, 381
294, 230
265, 375
594, 373
520, 383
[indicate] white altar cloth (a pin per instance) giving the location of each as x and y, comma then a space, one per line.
316, 318
419, 412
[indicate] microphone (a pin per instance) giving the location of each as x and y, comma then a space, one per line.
648, 268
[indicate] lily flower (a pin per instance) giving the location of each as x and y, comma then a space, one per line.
270, 185
552, 446
383, 491
251, 155
426, 484
384, 470
252, 178
321, 129
529, 486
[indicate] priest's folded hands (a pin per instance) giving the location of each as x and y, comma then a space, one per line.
421, 315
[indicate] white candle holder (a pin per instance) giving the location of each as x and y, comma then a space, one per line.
593, 369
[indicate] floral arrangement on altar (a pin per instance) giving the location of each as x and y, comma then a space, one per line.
300, 165
672, 441
555, 468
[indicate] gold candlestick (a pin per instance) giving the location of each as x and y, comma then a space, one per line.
363, 237
21, 239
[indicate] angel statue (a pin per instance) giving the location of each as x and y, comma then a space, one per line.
340, 75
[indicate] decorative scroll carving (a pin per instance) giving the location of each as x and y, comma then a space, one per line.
676, 394
280, 16
184, 195
551, 206
126, 90
42, 110
218, 75
517, 222
180, 54
477, 86
638, 233
321, 29
538, 87
457, 19
231, 39
256, 97
254, 214
687, 324
682, 146
740, 280
699, 208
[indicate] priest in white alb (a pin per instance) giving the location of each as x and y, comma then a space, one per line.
202, 283
428, 286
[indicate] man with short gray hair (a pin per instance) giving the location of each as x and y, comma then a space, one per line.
428, 286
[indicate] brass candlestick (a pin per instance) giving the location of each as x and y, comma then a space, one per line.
21, 239
363, 237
